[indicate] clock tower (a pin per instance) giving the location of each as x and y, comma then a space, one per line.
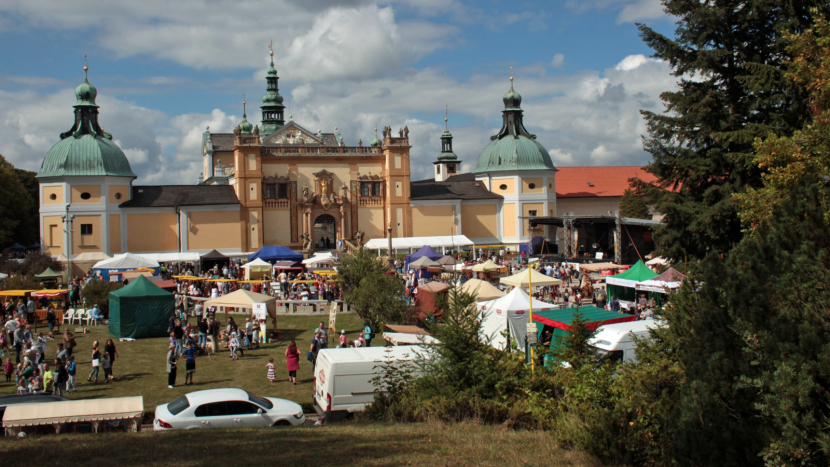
447, 164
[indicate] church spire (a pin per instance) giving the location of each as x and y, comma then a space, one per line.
273, 112
86, 110
447, 163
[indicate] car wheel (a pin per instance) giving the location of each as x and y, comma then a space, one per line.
282, 423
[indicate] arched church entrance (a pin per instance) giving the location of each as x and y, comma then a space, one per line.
325, 232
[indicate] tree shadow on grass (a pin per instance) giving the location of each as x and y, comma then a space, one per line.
130, 376
289, 335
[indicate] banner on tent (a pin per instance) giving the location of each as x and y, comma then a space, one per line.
260, 311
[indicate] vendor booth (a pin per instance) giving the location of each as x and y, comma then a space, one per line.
529, 277
509, 312
319, 259
124, 262
556, 324
429, 298
214, 258
118, 414
623, 285
425, 251
270, 254
481, 290
422, 263
140, 310
256, 269
49, 275
258, 304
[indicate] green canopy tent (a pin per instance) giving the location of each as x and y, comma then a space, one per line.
623, 286
140, 310
559, 322
49, 274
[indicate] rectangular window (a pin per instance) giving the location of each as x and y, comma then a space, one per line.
282, 191
86, 229
531, 212
270, 191
375, 188
365, 189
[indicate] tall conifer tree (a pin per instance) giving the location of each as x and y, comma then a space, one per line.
729, 57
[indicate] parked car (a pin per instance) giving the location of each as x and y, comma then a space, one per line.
15, 399
226, 408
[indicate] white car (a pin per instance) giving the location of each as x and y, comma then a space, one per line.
226, 408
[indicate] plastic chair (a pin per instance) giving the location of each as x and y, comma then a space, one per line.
88, 317
69, 315
79, 315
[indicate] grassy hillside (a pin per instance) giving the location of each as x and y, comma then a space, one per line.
352, 444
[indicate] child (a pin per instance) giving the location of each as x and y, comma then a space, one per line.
107, 365
342, 338
70, 369
48, 379
233, 344
21, 387
272, 375
8, 369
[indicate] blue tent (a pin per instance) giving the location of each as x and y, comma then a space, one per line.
17, 247
425, 250
275, 253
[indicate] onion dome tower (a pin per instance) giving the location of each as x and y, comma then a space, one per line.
447, 164
86, 149
245, 127
273, 112
513, 147
375, 141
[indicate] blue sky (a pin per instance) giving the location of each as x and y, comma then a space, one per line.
166, 70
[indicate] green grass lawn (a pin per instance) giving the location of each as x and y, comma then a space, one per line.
347, 444
141, 369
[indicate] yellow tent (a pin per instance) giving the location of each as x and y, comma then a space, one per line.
529, 276
482, 290
486, 266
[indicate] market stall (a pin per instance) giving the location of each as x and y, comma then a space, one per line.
124, 262
425, 251
624, 285
258, 304
429, 298
256, 269
481, 290
140, 310
512, 312
556, 324
214, 258
275, 253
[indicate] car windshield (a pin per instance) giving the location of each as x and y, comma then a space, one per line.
178, 405
261, 401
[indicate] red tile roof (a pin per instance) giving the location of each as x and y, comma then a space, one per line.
590, 182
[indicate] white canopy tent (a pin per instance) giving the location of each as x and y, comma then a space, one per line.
256, 269
402, 338
658, 260
190, 257
657, 286
320, 258
406, 243
424, 262
512, 310
126, 261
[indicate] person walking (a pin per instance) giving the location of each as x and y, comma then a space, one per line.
324, 335
171, 367
314, 349
203, 331
233, 345
109, 349
271, 372
215, 329
368, 334
96, 362
68, 342
292, 361
60, 377
189, 355
70, 374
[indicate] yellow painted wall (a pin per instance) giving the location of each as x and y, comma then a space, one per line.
510, 186
526, 208
253, 232
152, 232
370, 221
538, 187
115, 233
271, 170
122, 190
479, 220
84, 243
47, 191
93, 190
509, 219
277, 227
53, 235
213, 230
432, 221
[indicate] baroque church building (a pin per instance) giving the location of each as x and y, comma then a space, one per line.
282, 184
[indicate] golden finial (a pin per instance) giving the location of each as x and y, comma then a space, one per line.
271, 46
86, 68
511, 77
244, 112
446, 116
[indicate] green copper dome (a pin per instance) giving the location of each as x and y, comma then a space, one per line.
86, 149
245, 127
272, 109
446, 148
513, 148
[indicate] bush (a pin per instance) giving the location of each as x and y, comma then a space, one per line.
97, 292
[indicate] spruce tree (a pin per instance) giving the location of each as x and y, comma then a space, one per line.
728, 56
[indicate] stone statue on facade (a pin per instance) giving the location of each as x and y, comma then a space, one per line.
305, 192
308, 245
406, 132
400, 132
345, 190
358, 237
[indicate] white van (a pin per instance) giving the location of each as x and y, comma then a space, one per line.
615, 341
342, 377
